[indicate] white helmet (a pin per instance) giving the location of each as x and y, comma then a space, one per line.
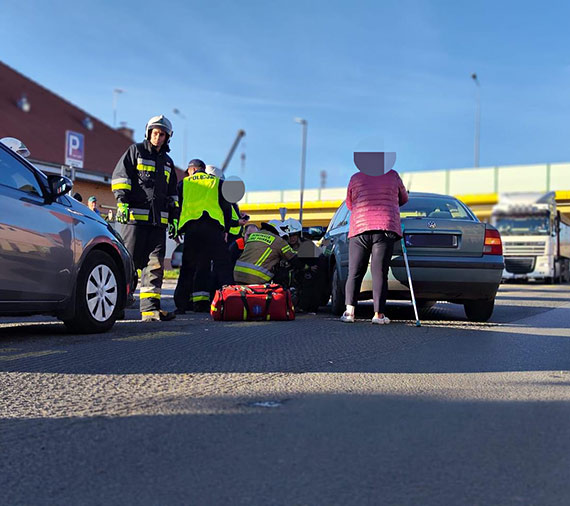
161, 122
278, 226
214, 171
16, 145
292, 226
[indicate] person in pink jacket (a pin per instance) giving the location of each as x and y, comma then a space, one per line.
374, 202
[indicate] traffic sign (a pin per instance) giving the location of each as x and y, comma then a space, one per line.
74, 149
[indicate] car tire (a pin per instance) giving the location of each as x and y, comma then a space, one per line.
98, 299
479, 310
337, 294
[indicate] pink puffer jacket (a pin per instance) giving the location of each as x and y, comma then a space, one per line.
374, 202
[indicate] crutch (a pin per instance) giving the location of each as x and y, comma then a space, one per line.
405, 252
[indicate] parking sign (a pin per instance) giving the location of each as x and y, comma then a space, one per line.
74, 149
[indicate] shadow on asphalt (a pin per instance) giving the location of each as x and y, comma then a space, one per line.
315, 449
196, 344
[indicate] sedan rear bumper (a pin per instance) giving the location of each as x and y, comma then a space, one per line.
453, 279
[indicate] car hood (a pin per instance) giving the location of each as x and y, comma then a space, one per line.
85, 211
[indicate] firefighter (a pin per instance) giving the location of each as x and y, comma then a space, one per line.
262, 253
236, 248
144, 184
204, 219
307, 278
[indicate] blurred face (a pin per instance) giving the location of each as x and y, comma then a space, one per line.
157, 137
249, 230
293, 239
92, 205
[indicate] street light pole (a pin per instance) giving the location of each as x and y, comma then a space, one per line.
178, 113
116, 92
303, 123
477, 119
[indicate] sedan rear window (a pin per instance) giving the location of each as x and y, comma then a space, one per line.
434, 207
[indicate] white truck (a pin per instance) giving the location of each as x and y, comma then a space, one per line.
536, 237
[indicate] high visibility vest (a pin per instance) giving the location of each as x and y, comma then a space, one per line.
237, 229
199, 195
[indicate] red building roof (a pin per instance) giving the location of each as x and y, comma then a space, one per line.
42, 129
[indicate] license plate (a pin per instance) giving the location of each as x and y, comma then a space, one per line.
431, 241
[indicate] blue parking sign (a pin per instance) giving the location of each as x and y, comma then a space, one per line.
74, 149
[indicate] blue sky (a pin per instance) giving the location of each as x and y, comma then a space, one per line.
392, 75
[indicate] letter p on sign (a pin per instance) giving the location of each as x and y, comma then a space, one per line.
74, 149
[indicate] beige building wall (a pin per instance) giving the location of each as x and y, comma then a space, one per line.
102, 191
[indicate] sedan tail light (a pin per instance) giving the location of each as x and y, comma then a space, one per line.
493, 244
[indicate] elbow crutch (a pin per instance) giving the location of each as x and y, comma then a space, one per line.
405, 252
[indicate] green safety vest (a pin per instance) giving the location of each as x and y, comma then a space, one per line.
237, 229
199, 195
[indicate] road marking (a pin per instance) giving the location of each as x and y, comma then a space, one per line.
31, 354
149, 335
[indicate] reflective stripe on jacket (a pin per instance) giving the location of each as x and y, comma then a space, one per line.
146, 179
262, 252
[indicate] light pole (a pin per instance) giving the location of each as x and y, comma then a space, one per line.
477, 119
303, 123
116, 93
178, 113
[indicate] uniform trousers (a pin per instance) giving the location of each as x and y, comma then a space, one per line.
203, 244
147, 246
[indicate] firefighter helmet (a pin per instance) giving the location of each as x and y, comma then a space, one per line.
278, 226
16, 145
292, 226
161, 122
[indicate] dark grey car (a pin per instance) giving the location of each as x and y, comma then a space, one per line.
57, 257
453, 256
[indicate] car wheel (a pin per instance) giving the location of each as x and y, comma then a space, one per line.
97, 295
479, 310
337, 295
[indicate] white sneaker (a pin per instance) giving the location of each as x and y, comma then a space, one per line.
347, 318
383, 320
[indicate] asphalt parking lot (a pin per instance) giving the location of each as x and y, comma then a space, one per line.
306, 412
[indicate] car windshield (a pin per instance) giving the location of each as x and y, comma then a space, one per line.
434, 207
522, 225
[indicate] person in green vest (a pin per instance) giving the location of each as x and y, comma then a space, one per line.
205, 218
239, 219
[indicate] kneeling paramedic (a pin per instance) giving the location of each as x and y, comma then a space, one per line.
204, 219
144, 184
263, 251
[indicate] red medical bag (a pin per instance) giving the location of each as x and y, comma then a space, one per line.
252, 302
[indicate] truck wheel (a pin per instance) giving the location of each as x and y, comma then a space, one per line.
479, 310
97, 297
337, 295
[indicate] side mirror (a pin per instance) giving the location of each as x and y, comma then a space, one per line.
59, 185
314, 233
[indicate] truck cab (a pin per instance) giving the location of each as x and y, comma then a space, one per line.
536, 237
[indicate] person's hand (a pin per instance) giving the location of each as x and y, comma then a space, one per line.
242, 221
173, 229
226, 237
122, 213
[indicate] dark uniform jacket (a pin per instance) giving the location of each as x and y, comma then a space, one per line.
146, 179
